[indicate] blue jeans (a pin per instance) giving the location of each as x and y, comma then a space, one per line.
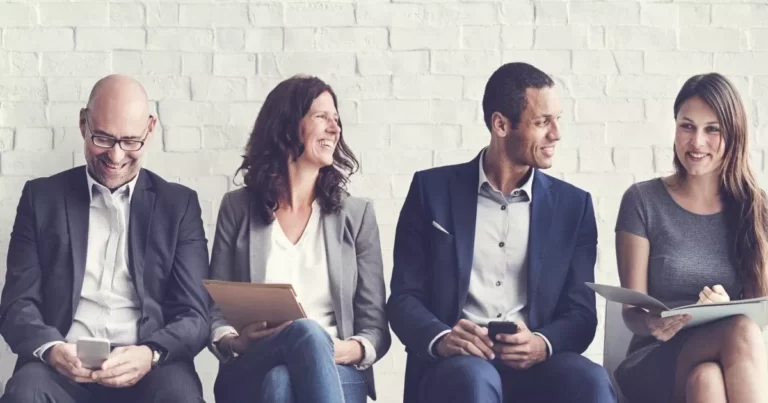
278, 387
294, 365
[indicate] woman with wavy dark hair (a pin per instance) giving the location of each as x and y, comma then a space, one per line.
294, 222
697, 236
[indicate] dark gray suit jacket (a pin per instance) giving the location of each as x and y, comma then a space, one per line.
355, 267
167, 259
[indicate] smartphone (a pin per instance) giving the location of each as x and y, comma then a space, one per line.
501, 327
92, 351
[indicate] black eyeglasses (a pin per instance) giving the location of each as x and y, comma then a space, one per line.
104, 141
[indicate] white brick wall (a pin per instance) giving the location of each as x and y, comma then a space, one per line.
410, 75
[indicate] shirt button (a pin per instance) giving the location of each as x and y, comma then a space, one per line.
498, 315
503, 207
501, 244
515, 193
498, 283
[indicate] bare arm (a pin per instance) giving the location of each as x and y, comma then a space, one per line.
632, 253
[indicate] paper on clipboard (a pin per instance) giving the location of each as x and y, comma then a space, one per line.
755, 308
246, 303
628, 297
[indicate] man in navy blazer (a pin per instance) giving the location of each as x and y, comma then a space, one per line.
110, 251
496, 239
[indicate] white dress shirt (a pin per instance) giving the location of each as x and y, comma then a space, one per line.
498, 282
108, 306
305, 266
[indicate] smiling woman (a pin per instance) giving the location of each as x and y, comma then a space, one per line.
294, 222
298, 127
697, 236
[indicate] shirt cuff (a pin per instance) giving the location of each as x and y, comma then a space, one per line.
369, 353
432, 343
42, 349
546, 340
216, 336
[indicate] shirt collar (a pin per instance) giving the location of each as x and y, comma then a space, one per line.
128, 187
527, 186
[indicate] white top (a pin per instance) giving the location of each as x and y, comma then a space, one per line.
305, 266
108, 306
498, 282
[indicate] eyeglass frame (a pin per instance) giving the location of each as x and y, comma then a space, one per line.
113, 139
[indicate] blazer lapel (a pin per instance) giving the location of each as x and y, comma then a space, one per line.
259, 234
463, 195
139, 227
543, 207
332, 231
77, 207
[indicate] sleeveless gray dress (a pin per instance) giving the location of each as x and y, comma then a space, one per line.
687, 252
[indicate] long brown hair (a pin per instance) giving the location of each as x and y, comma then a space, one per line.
744, 202
275, 139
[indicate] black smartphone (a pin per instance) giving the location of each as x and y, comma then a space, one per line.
501, 327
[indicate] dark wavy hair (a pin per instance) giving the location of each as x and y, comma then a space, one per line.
276, 138
744, 202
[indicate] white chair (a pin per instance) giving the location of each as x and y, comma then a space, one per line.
617, 338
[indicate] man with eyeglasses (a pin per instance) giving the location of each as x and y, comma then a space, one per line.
108, 251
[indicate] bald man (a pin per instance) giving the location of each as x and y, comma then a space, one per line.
110, 251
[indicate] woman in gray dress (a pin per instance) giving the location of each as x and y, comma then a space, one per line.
697, 236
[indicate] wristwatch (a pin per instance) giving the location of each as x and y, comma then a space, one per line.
229, 351
158, 353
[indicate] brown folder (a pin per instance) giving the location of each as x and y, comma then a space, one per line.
246, 303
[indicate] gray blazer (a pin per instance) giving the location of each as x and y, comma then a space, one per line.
355, 266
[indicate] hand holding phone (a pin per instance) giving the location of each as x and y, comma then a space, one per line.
63, 357
519, 348
465, 338
92, 351
501, 327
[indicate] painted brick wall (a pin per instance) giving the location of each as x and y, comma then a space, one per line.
410, 76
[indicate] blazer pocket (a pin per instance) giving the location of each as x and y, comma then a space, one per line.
440, 228
440, 242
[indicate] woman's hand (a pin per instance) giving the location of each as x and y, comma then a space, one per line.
664, 329
348, 352
249, 334
713, 295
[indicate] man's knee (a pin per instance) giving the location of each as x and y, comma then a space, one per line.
464, 379
276, 386
31, 380
186, 385
580, 376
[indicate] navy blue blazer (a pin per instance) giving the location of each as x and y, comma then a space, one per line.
430, 279
167, 259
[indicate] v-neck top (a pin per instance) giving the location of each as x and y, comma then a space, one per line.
305, 266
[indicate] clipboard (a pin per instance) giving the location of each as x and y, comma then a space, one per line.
246, 303
755, 308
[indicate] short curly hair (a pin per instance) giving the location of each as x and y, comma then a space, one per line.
505, 90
